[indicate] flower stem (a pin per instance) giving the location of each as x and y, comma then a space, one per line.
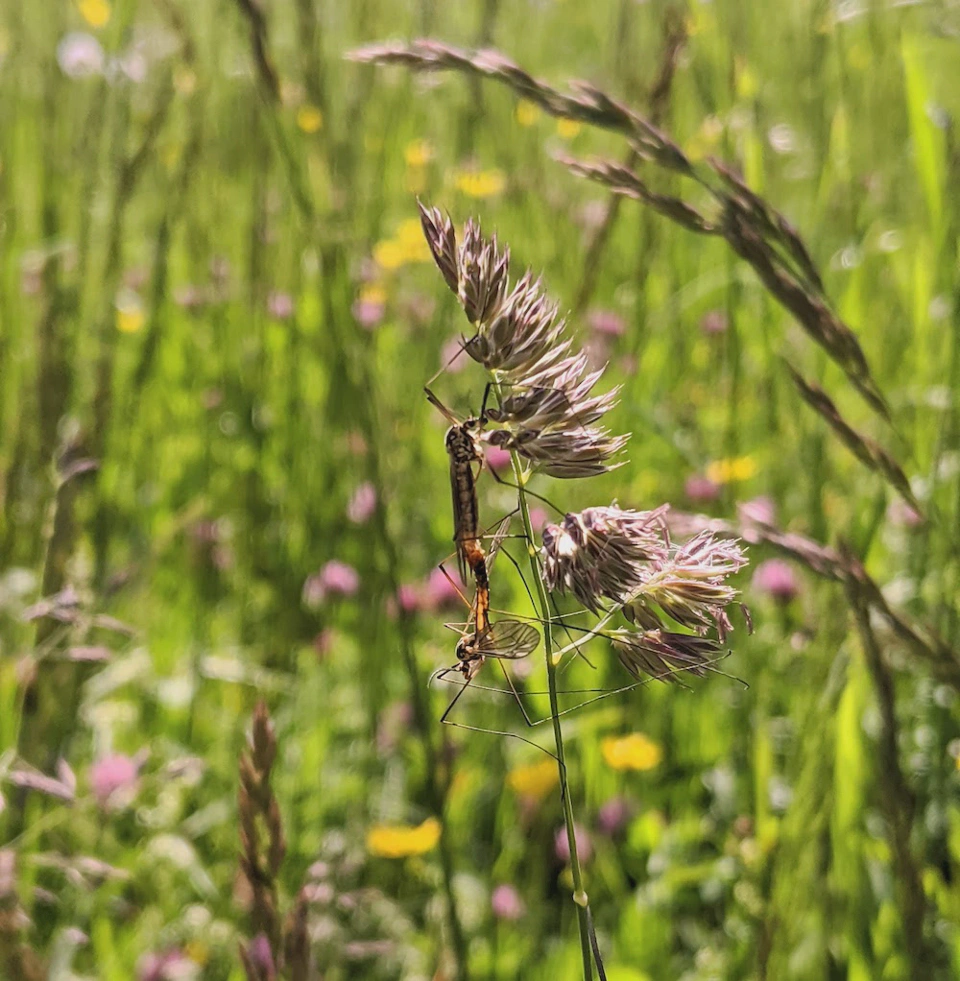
579, 895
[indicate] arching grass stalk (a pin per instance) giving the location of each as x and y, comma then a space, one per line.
579, 893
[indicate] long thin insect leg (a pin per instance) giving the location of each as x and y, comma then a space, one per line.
603, 692
516, 694
566, 630
438, 675
444, 719
590, 701
443, 367
626, 688
533, 603
482, 418
539, 497
453, 583
456, 698
500, 732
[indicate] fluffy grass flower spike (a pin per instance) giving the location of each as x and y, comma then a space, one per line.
612, 559
547, 412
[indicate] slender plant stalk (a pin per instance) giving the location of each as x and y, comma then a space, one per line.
579, 894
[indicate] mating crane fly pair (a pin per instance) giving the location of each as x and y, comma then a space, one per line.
507, 639
510, 639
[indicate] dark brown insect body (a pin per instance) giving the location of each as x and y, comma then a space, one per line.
464, 452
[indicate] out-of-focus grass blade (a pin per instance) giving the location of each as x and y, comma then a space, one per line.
928, 141
850, 762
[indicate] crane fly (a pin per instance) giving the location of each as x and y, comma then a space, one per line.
464, 450
481, 638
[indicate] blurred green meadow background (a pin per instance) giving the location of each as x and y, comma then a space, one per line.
220, 482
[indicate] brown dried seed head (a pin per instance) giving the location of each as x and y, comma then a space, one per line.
442, 239
600, 553
690, 585
483, 274
663, 654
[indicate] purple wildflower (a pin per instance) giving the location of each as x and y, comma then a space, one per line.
498, 459
776, 578
409, 598
506, 904
714, 322
607, 322
336, 578
133, 64
758, 511
220, 271
368, 312
190, 297
538, 518
561, 844
171, 965
363, 503
440, 592
392, 724
280, 305
259, 956
113, 780
901, 514
80, 55
614, 815
700, 489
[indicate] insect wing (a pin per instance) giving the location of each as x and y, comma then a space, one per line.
458, 530
497, 541
509, 639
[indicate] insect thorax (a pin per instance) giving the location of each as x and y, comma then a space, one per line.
461, 445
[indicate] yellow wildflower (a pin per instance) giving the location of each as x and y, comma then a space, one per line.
731, 470
410, 232
633, 752
527, 112
418, 153
408, 245
567, 129
95, 12
535, 780
481, 184
309, 119
388, 254
130, 315
401, 841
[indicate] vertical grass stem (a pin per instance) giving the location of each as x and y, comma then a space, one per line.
579, 894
